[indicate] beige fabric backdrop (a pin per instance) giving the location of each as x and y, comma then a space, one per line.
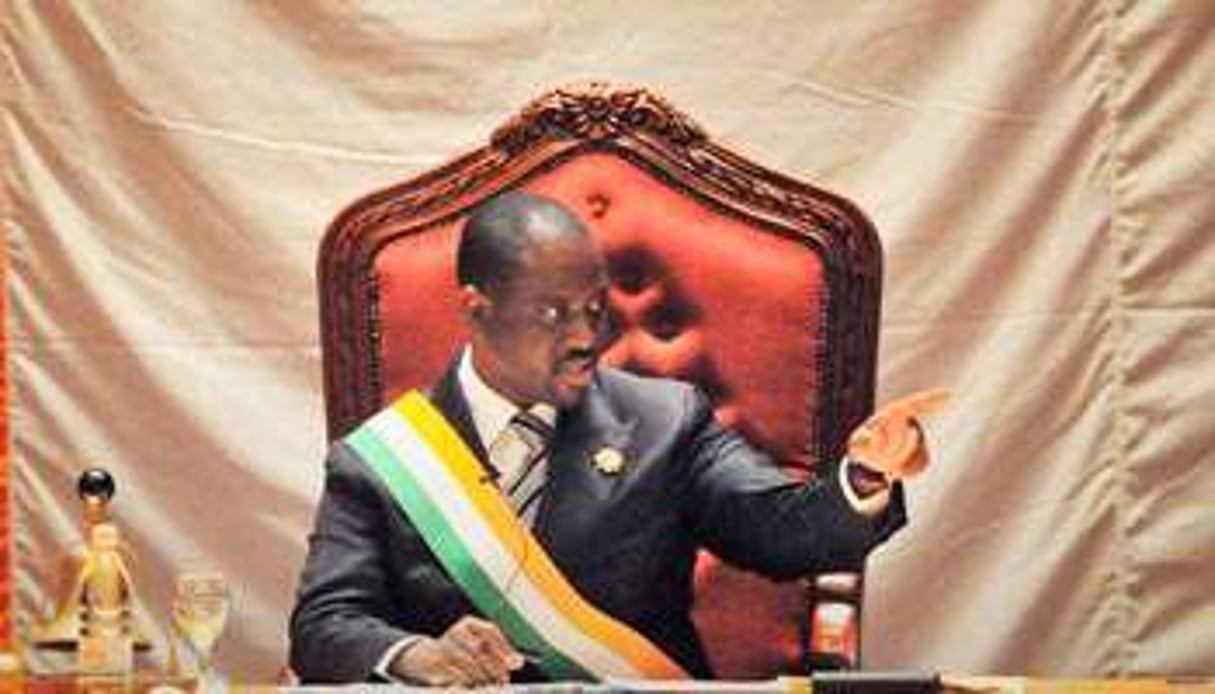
1041, 174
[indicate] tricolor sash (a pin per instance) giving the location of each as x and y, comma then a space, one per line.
494, 558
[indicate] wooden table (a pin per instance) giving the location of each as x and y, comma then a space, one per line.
153, 683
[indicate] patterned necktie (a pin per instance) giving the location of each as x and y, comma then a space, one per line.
521, 449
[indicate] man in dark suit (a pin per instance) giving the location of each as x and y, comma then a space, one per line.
636, 478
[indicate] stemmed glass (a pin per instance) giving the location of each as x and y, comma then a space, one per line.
200, 611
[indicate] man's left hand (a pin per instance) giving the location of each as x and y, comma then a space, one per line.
890, 441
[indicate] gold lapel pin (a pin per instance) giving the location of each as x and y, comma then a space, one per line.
608, 461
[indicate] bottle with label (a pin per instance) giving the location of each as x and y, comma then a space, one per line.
834, 624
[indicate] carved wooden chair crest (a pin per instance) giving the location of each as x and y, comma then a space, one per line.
762, 289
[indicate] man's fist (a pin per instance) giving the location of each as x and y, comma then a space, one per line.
471, 653
890, 441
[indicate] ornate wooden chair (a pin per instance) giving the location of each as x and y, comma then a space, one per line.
762, 289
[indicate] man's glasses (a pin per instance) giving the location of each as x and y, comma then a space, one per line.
561, 318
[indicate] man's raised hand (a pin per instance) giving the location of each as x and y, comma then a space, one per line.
890, 441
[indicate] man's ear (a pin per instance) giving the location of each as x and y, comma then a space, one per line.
473, 304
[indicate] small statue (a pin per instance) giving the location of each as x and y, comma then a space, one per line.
97, 590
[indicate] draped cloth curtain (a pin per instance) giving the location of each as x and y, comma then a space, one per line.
1040, 174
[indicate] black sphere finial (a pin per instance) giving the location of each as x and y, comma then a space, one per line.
96, 483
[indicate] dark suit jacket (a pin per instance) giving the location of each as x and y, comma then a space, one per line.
627, 542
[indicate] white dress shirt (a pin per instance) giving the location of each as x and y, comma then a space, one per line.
491, 411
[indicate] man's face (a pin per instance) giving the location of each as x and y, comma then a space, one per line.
538, 338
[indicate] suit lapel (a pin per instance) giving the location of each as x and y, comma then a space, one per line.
577, 491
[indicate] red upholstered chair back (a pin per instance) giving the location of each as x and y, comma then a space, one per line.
761, 289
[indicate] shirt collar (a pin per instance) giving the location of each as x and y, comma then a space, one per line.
491, 411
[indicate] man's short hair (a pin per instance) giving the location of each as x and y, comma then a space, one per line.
501, 229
